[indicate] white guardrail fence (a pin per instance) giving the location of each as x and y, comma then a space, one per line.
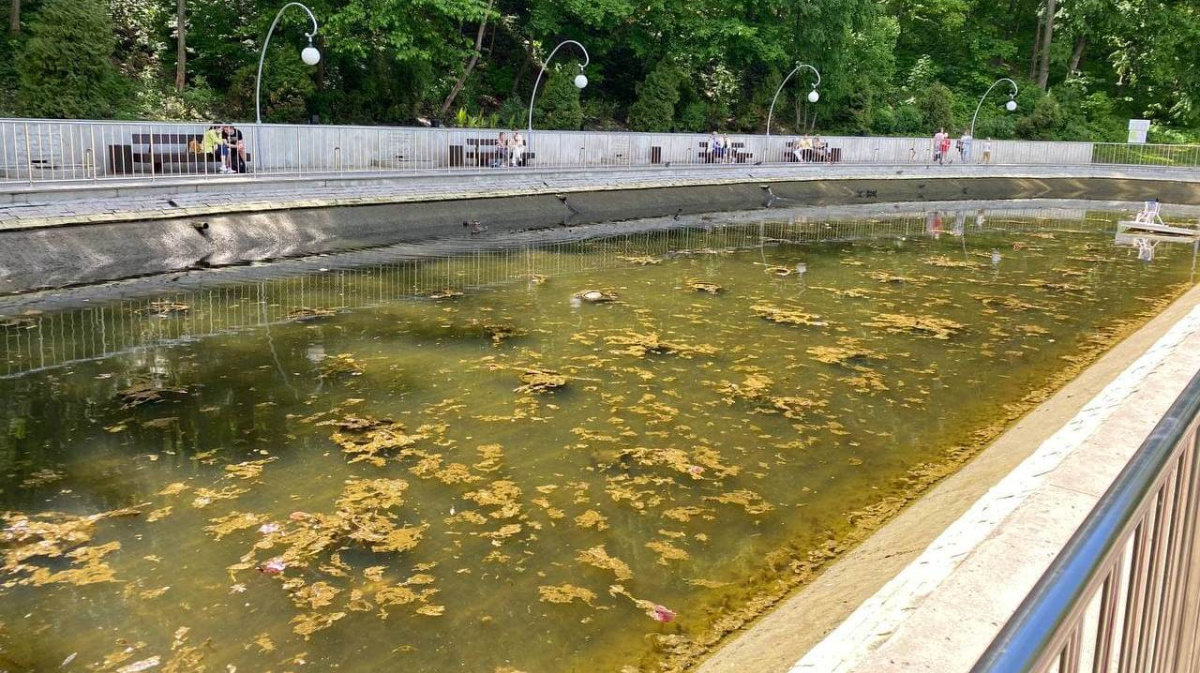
34, 151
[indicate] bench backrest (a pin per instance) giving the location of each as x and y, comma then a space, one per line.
166, 138
484, 142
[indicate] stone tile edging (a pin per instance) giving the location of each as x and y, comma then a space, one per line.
882, 634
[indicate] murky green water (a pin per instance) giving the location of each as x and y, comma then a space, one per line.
374, 489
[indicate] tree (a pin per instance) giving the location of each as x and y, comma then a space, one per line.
558, 106
657, 96
66, 69
936, 104
14, 18
462, 81
181, 44
1047, 41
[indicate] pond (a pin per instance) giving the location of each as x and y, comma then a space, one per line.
597, 455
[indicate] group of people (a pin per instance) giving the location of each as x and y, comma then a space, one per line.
510, 150
721, 149
964, 145
225, 142
810, 148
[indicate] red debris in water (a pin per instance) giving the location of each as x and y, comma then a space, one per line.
663, 614
695, 470
298, 516
275, 566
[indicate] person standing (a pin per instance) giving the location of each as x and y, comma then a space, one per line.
964, 147
987, 151
945, 148
730, 153
938, 155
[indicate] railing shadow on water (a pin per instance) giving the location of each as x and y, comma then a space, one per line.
95, 325
34, 151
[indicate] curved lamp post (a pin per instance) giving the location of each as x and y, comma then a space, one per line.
1011, 105
309, 55
581, 79
813, 96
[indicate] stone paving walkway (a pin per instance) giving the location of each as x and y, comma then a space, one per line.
24, 206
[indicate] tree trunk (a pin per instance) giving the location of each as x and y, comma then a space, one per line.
1036, 62
462, 81
14, 18
180, 44
1047, 40
1077, 56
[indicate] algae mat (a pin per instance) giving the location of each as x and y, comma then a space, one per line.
597, 456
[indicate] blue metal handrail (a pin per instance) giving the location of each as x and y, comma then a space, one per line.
1063, 590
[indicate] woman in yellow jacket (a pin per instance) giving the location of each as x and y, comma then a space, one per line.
214, 143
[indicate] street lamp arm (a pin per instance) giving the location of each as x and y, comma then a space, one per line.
979, 107
771, 113
263, 56
532, 97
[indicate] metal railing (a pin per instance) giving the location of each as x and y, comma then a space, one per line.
34, 151
1124, 594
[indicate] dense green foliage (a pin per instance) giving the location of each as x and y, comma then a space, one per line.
889, 66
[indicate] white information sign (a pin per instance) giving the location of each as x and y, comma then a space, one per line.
1138, 128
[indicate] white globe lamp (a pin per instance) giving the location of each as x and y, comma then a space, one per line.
813, 96
310, 55
581, 81
1011, 106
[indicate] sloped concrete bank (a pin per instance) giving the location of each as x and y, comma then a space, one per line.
39, 258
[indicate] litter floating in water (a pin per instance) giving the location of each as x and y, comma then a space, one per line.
275, 566
663, 614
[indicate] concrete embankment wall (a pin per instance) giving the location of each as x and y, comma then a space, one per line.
53, 257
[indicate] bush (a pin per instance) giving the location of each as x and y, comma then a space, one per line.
654, 109
908, 121
287, 87
65, 69
558, 105
694, 118
1044, 122
936, 104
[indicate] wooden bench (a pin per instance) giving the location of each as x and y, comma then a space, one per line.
735, 150
483, 153
159, 149
833, 155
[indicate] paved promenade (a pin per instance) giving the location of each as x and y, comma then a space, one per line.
24, 206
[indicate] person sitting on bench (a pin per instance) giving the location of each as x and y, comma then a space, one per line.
236, 147
517, 149
214, 144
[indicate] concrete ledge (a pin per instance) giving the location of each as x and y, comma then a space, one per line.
943, 610
62, 243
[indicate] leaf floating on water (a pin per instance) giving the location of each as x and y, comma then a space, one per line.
340, 365
368, 439
755, 387
784, 316
540, 381
148, 392
205, 496
667, 552
173, 489
749, 500
566, 593
640, 260
250, 469
938, 328
445, 294
639, 345
431, 610
591, 519
489, 457
598, 557
315, 596
230, 523
304, 314
705, 286
944, 262
308, 624
847, 350
685, 514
